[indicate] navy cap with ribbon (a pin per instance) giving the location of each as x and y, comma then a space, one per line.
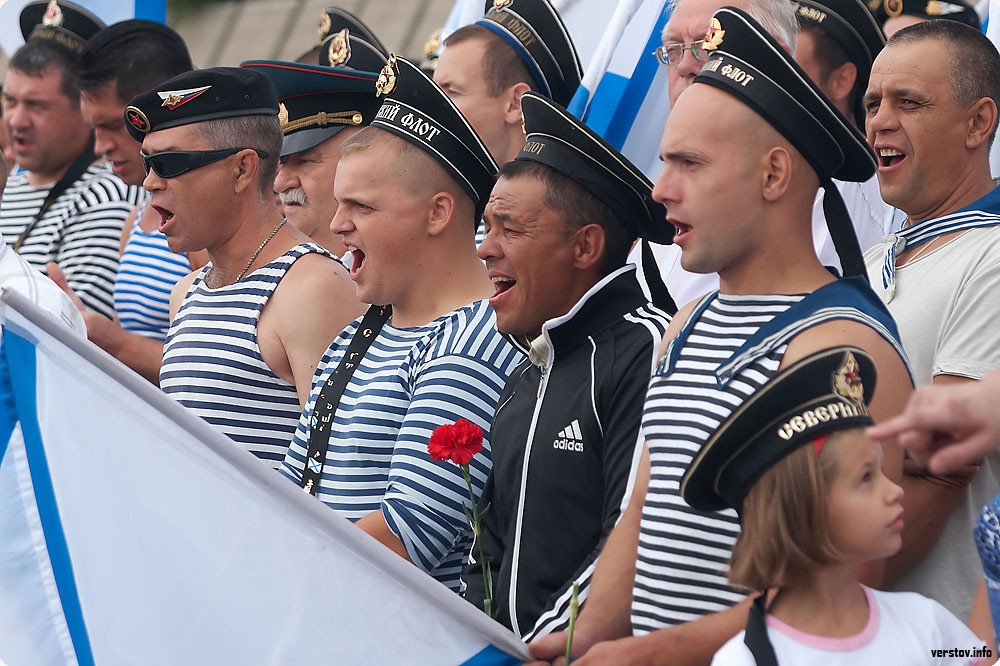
851, 25
953, 10
199, 96
557, 139
746, 62
417, 110
316, 103
535, 31
63, 25
820, 394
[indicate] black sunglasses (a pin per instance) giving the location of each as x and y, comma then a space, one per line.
173, 163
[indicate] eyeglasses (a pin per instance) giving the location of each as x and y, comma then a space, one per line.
173, 163
671, 54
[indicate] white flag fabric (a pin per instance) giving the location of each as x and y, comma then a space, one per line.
133, 533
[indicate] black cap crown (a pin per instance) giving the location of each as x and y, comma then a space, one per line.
559, 140
201, 95
535, 31
417, 110
344, 49
335, 19
852, 26
64, 25
822, 393
315, 103
132, 28
954, 10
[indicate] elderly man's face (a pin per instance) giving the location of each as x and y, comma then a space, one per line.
528, 252
915, 126
688, 23
305, 184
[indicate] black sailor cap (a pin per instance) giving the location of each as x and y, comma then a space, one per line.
535, 31
851, 25
558, 140
64, 25
954, 10
315, 103
823, 393
129, 29
417, 110
201, 95
746, 62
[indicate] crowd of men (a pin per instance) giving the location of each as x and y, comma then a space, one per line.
327, 259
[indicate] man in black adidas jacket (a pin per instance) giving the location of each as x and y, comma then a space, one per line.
560, 223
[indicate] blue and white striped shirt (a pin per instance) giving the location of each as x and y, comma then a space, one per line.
147, 273
213, 366
410, 381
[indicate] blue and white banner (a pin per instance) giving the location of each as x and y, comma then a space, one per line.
133, 533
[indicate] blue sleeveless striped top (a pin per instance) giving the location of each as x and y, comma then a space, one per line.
213, 366
146, 275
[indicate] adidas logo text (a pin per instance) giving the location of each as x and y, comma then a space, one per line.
570, 438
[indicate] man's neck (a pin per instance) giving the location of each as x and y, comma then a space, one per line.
457, 279
229, 258
52, 176
967, 192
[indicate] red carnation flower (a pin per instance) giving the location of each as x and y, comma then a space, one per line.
458, 442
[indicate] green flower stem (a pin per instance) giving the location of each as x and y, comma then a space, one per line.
574, 609
474, 519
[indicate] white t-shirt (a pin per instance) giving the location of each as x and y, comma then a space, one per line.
904, 629
20, 276
947, 307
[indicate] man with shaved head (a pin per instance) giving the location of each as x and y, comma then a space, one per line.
738, 186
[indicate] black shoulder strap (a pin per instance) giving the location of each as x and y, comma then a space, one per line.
756, 638
73, 173
658, 292
330, 394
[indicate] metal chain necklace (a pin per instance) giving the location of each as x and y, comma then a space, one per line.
254, 256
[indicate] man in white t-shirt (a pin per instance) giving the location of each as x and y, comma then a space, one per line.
931, 120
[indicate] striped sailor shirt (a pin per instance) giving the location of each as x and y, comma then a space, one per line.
683, 555
81, 231
410, 381
213, 366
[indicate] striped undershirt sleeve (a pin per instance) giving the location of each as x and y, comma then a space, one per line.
423, 502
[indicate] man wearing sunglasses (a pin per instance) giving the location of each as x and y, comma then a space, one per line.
249, 328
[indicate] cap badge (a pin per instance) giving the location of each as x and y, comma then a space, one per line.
137, 119
53, 16
432, 44
325, 23
713, 38
937, 8
340, 48
387, 78
175, 98
893, 8
500, 4
847, 380
282, 114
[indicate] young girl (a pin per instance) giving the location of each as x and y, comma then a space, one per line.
814, 504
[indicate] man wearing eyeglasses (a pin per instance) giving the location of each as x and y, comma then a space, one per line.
249, 328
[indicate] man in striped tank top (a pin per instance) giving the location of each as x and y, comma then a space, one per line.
249, 328
410, 189
117, 64
739, 185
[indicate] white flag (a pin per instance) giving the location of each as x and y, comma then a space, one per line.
133, 533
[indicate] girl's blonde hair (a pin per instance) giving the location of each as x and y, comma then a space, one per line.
785, 535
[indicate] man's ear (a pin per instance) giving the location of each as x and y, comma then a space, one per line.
588, 246
245, 170
982, 120
440, 212
512, 103
776, 173
841, 82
